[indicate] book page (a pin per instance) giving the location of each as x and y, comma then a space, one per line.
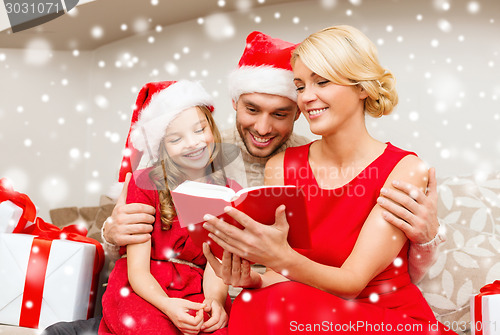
248, 189
205, 190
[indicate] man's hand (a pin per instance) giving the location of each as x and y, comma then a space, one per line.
411, 210
129, 223
233, 270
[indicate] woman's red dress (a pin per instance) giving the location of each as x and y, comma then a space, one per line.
389, 304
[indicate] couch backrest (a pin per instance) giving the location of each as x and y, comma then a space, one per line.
469, 211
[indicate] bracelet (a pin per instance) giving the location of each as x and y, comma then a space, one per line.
104, 238
438, 238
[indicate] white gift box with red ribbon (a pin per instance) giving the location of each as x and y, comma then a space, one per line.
485, 310
47, 274
61, 293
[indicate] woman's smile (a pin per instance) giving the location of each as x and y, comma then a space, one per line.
314, 113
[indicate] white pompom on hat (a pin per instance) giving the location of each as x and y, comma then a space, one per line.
264, 67
156, 106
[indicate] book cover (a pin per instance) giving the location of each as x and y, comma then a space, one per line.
193, 200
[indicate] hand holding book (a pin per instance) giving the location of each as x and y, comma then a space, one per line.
193, 200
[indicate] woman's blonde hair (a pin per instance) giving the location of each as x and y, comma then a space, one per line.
345, 56
166, 174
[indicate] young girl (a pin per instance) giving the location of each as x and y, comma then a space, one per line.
354, 279
160, 286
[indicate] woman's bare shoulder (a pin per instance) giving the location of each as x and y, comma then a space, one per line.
410, 169
273, 174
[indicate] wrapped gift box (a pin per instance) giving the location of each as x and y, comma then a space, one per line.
67, 284
485, 311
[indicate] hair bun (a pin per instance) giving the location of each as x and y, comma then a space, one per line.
386, 97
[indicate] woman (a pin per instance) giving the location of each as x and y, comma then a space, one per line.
354, 279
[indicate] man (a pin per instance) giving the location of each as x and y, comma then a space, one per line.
263, 96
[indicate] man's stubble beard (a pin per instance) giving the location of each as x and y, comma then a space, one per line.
244, 139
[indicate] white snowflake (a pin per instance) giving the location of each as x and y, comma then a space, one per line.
54, 189
94, 187
444, 25
374, 297
140, 25
101, 101
74, 153
128, 321
398, 262
473, 7
246, 296
37, 52
97, 32
124, 291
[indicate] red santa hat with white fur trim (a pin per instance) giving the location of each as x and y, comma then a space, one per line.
264, 67
156, 106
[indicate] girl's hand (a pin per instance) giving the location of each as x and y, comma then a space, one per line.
233, 270
259, 243
178, 312
218, 316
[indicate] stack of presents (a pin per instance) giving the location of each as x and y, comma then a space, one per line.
47, 274
50, 274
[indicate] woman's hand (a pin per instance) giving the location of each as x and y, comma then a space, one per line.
259, 243
218, 316
233, 270
178, 311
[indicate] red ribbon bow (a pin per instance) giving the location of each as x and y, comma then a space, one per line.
48, 231
488, 289
19, 199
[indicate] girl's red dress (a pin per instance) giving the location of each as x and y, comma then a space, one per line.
389, 304
124, 312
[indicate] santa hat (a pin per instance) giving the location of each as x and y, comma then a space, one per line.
156, 106
264, 67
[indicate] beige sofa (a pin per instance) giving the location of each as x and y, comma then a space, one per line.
469, 211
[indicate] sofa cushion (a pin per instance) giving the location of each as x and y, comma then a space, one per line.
469, 211
90, 217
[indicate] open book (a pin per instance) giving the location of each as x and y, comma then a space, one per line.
193, 200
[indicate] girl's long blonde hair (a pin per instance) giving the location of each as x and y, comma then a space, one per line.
166, 175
